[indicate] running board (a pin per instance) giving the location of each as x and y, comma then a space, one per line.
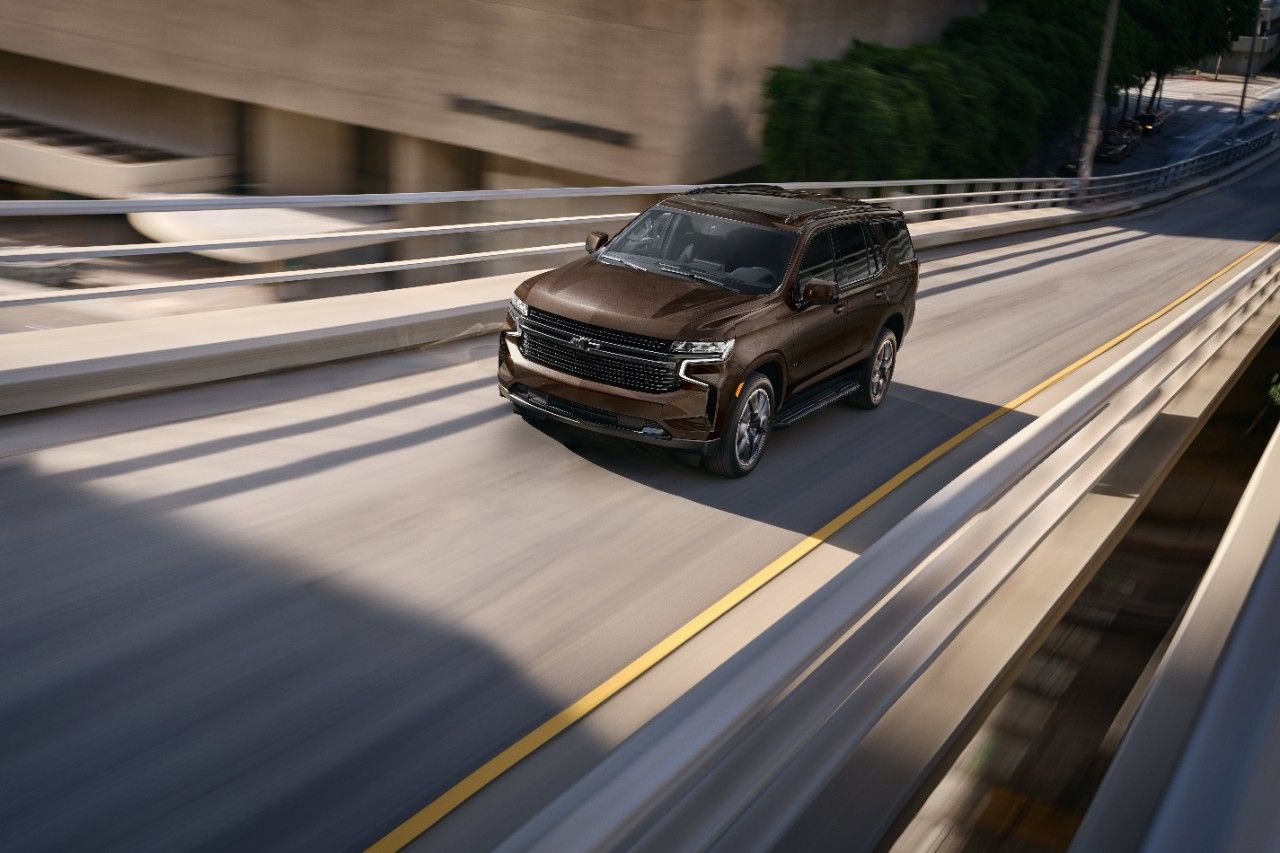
816, 398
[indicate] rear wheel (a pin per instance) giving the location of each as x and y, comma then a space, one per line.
746, 431
875, 374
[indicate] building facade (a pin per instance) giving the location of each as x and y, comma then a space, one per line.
1255, 51
320, 96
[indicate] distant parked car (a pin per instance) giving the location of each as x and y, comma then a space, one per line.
1153, 121
1129, 125
1118, 143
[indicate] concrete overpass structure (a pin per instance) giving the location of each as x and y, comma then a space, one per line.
304, 609
327, 97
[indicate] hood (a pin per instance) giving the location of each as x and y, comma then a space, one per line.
635, 301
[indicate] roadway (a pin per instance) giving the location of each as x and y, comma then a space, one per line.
291, 610
1202, 118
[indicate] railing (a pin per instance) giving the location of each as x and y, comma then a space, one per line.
920, 200
1152, 180
739, 762
1197, 767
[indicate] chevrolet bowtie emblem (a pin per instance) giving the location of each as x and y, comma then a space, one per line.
583, 343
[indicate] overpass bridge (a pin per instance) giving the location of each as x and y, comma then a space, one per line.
357, 604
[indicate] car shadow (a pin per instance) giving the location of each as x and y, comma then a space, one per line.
818, 468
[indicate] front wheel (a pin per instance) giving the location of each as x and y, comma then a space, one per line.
746, 431
875, 374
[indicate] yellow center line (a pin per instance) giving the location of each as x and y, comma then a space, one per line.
434, 811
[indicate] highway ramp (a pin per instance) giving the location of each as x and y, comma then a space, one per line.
291, 610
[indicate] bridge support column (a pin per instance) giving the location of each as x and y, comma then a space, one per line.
423, 165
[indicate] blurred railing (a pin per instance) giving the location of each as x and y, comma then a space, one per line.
764, 754
1106, 187
1197, 767
920, 200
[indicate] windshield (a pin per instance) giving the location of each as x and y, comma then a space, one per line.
718, 252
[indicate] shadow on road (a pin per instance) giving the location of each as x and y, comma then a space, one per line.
163, 690
815, 469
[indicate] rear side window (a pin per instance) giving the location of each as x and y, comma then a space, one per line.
853, 260
897, 239
817, 260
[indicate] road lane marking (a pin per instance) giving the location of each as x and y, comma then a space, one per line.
471, 784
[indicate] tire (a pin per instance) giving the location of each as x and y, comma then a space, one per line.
876, 373
746, 430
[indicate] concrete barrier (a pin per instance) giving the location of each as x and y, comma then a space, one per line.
57, 367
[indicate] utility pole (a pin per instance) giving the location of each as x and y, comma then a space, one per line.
1248, 72
1093, 129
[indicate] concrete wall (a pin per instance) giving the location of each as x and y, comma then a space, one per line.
116, 107
653, 91
294, 154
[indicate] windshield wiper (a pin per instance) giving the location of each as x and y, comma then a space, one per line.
626, 263
693, 274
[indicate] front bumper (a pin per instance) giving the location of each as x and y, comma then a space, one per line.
682, 419
547, 406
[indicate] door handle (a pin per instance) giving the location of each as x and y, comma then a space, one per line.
880, 293
839, 308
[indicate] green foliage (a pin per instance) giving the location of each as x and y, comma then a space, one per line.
983, 99
1274, 391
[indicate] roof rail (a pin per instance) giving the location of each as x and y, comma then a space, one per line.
733, 188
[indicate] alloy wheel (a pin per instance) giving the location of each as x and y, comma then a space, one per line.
753, 428
882, 368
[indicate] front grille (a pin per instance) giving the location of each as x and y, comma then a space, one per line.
622, 359
654, 377
599, 333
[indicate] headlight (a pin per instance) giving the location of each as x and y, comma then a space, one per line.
714, 349
518, 309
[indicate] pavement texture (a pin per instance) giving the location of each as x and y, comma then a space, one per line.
287, 611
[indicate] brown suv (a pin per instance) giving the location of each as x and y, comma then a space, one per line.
713, 317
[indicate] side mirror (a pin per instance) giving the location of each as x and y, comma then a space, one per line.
820, 291
596, 240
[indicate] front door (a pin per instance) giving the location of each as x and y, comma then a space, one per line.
820, 330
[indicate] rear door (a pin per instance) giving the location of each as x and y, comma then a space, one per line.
903, 272
860, 266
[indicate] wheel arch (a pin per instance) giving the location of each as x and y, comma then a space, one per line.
773, 369
897, 324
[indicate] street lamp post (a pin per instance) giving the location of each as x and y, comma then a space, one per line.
1093, 129
1248, 72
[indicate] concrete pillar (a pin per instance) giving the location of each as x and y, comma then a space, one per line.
423, 165
295, 154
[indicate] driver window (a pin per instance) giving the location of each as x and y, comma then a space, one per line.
817, 262
651, 237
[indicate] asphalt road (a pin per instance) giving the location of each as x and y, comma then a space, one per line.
288, 611
1202, 118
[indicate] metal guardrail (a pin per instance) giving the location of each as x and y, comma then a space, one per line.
735, 763
920, 200
1198, 766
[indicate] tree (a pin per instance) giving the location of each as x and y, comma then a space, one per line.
983, 99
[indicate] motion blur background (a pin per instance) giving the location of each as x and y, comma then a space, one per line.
322, 97
319, 96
